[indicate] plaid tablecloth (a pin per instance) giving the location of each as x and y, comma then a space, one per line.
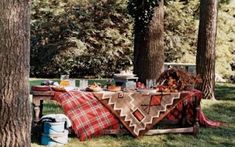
89, 117
188, 111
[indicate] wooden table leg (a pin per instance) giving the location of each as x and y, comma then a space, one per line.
183, 120
41, 108
37, 108
196, 116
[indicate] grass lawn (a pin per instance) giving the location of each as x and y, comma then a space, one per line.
223, 110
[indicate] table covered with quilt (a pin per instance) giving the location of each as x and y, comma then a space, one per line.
92, 113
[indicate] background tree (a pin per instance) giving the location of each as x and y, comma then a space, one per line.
148, 37
93, 37
82, 38
205, 60
15, 111
180, 21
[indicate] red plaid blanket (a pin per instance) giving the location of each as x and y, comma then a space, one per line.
89, 117
177, 112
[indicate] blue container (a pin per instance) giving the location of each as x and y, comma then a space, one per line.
55, 139
53, 127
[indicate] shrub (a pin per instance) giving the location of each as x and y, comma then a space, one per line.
80, 38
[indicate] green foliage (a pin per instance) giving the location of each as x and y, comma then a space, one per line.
142, 12
225, 44
181, 31
94, 37
181, 28
85, 37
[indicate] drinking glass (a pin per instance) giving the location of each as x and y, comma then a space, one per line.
83, 84
150, 83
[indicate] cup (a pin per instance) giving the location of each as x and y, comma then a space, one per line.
150, 83
83, 84
72, 82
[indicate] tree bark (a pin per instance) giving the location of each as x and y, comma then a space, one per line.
206, 47
149, 47
15, 109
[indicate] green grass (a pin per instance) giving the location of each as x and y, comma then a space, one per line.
222, 110
225, 91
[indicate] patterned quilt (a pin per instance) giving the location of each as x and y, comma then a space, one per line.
139, 112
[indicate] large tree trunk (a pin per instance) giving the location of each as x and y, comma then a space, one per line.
206, 47
15, 109
149, 47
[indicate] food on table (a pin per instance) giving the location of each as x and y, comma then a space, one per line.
114, 88
140, 85
162, 88
174, 80
58, 88
94, 87
65, 83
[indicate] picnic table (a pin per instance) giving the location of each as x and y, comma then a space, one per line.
179, 110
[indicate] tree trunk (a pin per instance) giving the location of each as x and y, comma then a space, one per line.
149, 47
206, 47
15, 109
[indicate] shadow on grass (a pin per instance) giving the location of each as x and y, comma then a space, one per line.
36, 135
221, 111
225, 91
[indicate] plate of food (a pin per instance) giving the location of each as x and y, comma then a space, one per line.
114, 88
59, 88
94, 88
